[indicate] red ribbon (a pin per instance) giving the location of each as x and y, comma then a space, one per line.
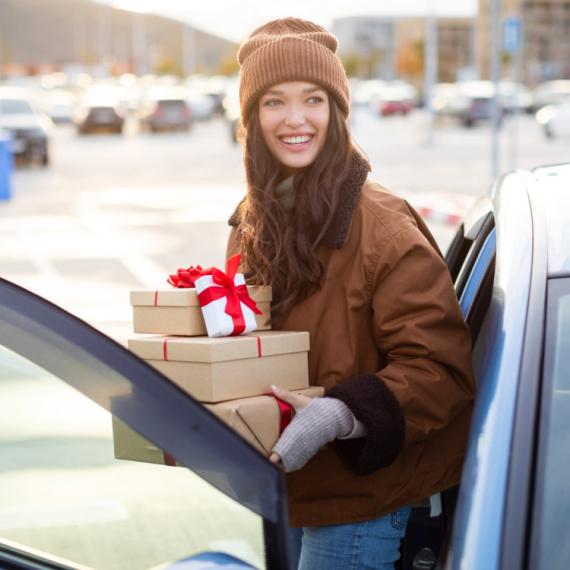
235, 295
286, 414
164, 348
168, 459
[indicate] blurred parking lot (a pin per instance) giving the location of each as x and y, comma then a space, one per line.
119, 211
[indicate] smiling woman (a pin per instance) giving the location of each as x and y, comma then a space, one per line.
356, 267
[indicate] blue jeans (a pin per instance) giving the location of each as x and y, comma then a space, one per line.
370, 545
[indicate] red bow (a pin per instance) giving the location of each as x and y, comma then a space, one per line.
234, 294
186, 278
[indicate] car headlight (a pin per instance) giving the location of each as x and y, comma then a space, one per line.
545, 114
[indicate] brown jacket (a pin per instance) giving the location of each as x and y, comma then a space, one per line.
387, 338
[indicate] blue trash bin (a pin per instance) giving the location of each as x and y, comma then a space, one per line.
6, 165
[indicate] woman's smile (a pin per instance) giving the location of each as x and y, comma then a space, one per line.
296, 143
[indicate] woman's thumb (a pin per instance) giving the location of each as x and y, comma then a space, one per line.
296, 400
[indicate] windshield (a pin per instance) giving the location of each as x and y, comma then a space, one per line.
551, 544
15, 107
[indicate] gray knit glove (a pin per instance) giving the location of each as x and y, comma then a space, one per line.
321, 421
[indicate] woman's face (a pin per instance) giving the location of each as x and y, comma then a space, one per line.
294, 118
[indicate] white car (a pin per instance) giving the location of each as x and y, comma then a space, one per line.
555, 119
29, 128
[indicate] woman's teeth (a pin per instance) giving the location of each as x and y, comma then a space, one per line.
296, 140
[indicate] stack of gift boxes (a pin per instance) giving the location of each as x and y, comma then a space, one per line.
211, 336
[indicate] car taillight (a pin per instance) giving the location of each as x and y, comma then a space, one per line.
159, 112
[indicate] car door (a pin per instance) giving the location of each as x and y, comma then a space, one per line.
66, 502
471, 262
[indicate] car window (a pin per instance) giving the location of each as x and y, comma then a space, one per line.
15, 107
477, 273
135, 393
63, 492
551, 533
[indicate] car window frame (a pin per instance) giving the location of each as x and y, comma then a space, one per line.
476, 543
42, 332
557, 287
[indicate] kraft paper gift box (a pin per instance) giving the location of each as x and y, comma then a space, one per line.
178, 312
225, 368
256, 419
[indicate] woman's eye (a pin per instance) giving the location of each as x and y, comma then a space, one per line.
272, 102
316, 99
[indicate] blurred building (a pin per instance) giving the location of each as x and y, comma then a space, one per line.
545, 45
455, 38
369, 42
39, 36
389, 47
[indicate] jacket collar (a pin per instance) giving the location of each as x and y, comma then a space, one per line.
337, 233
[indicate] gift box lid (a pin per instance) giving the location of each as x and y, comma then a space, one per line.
187, 297
219, 349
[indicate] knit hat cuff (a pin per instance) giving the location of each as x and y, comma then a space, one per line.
291, 58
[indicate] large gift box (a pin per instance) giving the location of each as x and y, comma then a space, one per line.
259, 420
225, 368
178, 311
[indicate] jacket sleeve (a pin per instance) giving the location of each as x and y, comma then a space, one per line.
419, 329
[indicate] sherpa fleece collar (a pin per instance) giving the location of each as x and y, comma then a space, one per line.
337, 233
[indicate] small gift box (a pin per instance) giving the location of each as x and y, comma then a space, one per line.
178, 312
260, 420
226, 305
225, 368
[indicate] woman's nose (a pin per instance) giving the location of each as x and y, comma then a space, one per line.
295, 116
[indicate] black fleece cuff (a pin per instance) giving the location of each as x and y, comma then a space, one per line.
374, 404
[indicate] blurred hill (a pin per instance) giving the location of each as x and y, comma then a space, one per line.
40, 35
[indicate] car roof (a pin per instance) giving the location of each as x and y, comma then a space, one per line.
554, 185
11, 92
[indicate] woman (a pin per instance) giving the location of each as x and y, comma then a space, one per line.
357, 268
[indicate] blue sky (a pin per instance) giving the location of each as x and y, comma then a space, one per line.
235, 19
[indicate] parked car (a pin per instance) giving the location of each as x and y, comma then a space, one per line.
165, 109
555, 119
60, 105
232, 112
470, 102
30, 128
102, 109
550, 93
201, 105
396, 98
515, 97
510, 263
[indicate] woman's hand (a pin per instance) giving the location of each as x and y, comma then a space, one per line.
316, 422
297, 401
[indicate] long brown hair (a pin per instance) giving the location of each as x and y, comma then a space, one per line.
279, 244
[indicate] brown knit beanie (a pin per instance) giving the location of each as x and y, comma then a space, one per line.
290, 49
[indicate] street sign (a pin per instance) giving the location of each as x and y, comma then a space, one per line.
511, 34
